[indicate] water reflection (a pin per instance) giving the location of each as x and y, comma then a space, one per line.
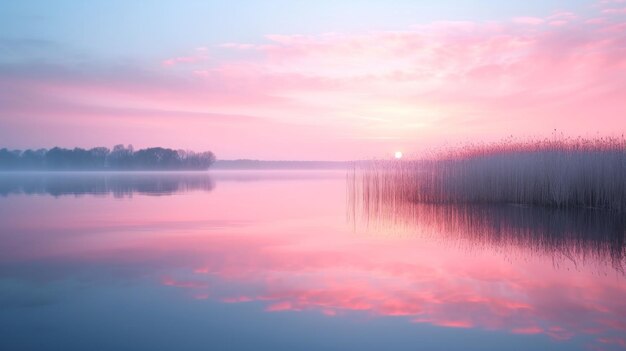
103, 183
283, 248
578, 235
120, 184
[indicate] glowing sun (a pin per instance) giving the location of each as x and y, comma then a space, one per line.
398, 155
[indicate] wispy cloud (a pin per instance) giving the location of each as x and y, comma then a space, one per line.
199, 55
369, 91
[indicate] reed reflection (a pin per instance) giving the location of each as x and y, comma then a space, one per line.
101, 183
280, 244
577, 235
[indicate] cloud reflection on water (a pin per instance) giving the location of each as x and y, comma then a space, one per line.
287, 246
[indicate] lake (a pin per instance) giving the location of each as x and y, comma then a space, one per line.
290, 260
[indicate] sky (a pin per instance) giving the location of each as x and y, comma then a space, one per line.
321, 80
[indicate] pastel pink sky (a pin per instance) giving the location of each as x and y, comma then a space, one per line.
337, 95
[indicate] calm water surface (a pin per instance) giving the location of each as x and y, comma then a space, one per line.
287, 260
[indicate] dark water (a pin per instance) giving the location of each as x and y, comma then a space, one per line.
287, 261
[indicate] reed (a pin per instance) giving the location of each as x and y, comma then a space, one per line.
561, 173
560, 197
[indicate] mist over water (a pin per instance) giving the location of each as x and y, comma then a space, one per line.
102, 183
284, 260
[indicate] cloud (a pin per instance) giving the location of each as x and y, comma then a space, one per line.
199, 55
429, 78
364, 92
615, 11
611, 2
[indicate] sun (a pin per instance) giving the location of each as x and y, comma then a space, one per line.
398, 155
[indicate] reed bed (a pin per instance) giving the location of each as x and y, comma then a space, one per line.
565, 198
563, 173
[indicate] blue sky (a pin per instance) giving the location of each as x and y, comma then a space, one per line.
136, 30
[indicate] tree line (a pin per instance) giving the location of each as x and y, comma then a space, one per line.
102, 158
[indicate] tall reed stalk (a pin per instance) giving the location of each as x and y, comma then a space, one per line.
563, 173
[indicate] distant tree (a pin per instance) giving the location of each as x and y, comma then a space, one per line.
9, 159
33, 159
58, 158
121, 157
101, 158
98, 157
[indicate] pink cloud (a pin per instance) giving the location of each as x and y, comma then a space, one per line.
615, 341
239, 46
597, 20
346, 95
454, 324
615, 11
557, 23
281, 306
563, 15
199, 55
